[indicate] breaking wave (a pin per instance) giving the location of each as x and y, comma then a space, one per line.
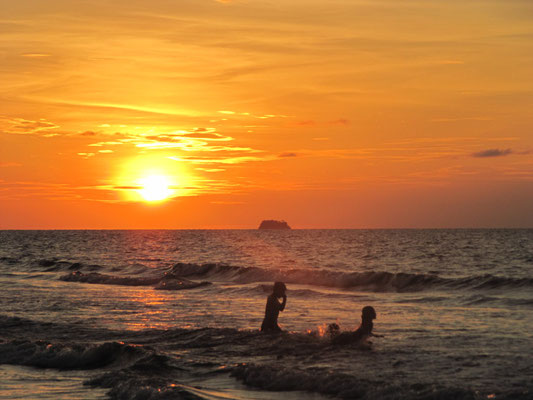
189, 276
59, 265
95, 277
166, 282
43, 354
152, 365
318, 380
370, 281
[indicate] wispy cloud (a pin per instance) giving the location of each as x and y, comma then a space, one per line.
35, 55
106, 192
288, 154
410, 150
195, 141
340, 121
210, 169
26, 189
21, 126
218, 160
87, 155
119, 106
492, 153
247, 114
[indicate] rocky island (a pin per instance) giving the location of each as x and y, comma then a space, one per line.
273, 224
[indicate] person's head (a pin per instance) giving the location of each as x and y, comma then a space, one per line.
279, 289
368, 313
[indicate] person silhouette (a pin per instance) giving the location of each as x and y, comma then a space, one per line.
360, 334
273, 307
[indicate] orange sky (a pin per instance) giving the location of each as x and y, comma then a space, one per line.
326, 113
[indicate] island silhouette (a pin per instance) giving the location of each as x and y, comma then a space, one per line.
273, 224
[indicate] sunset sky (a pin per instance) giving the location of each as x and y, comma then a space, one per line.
218, 114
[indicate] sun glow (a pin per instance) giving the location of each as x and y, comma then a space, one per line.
153, 179
155, 188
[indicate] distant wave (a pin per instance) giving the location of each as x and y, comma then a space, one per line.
480, 299
186, 276
371, 281
283, 378
59, 265
54, 265
95, 277
165, 282
129, 275
43, 354
266, 288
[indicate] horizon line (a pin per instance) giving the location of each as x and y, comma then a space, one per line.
257, 229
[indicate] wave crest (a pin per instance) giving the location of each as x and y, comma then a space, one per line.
167, 282
44, 354
377, 281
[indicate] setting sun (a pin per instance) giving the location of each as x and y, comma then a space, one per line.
155, 188
377, 113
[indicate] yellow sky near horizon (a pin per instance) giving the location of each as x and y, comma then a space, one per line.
344, 113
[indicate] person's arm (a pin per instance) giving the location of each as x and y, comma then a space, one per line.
282, 305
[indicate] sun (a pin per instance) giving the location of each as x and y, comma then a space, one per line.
155, 188
152, 179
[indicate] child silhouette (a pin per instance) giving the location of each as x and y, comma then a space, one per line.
360, 334
273, 307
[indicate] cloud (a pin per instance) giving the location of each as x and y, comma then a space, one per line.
124, 187
86, 155
48, 190
340, 121
217, 160
197, 133
21, 126
9, 164
235, 114
210, 169
35, 55
492, 153
169, 111
210, 136
196, 141
288, 154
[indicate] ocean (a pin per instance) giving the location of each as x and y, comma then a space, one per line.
175, 314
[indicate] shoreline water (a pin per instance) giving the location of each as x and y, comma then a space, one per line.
454, 306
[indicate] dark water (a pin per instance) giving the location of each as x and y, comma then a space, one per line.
175, 314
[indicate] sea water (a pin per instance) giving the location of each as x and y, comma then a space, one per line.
165, 314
